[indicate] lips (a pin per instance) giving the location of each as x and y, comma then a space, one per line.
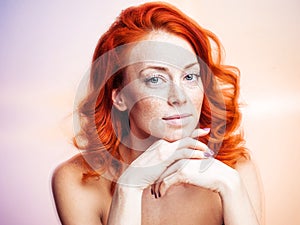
177, 116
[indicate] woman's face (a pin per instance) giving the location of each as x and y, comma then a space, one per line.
163, 92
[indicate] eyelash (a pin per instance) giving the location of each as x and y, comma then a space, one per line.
149, 80
155, 76
193, 74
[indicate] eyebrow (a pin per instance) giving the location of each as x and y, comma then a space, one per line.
162, 68
191, 65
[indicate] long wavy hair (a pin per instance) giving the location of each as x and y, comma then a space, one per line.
101, 124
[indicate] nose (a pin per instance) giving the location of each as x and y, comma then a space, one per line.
176, 95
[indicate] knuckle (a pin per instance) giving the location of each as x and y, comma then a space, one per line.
162, 141
160, 155
158, 144
182, 166
187, 153
164, 153
189, 139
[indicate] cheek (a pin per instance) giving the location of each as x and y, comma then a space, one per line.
147, 108
196, 100
146, 116
198, 103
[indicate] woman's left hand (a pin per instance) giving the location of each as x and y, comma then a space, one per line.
207, 173
214, 175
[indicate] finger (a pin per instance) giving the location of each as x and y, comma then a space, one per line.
168, 182
175, 163
189, 142
200, 132
186, 154
156, 190
174, 168
152, 191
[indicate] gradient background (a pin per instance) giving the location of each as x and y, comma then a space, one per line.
46, 47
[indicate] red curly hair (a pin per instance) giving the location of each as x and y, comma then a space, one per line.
220, 109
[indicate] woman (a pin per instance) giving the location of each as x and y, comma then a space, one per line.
159, 135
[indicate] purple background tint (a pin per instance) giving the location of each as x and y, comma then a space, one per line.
46, 47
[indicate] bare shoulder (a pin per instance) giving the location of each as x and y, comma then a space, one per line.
244, 165
251, 178
249, 174
248, 171
69, 171
78, 202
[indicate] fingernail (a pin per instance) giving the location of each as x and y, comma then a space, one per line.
206, 129
207, 154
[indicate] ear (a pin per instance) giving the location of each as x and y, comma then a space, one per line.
118, 100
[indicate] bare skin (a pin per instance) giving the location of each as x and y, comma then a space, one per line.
165, 103
90, 203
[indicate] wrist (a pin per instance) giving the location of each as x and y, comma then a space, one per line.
126, 206
231, 184
126, 190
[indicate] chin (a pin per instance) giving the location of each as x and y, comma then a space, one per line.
177, 135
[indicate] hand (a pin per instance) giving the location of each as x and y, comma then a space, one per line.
149, 166
208, 173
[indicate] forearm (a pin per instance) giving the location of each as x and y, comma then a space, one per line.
237, 207
126, 206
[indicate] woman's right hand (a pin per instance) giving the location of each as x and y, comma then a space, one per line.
147, 168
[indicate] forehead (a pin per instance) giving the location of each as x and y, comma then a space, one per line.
162, 49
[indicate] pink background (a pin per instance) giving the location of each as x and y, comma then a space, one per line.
46, 47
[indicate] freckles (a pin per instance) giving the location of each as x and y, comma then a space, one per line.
147, 107
150, 106
147, 114
196, 100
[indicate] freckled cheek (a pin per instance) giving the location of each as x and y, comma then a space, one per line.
196, 101
140, 98
148, 107
147, 115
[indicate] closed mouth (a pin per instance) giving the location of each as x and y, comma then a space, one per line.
177, 117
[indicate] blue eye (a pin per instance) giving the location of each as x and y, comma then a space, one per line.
189, 77
153, 80
192, 77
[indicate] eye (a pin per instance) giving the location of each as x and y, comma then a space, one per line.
192, 77
155, 80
